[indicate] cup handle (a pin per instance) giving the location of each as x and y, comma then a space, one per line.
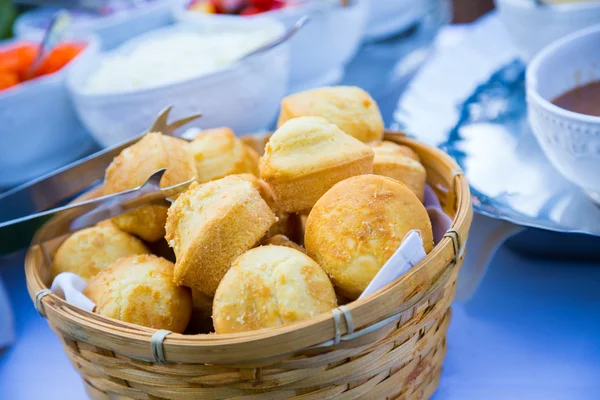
485, 238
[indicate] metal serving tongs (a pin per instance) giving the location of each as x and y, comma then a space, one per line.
28, 202
74, 217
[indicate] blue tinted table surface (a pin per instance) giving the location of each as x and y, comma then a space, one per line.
532, 331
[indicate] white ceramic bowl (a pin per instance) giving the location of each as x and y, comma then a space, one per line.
113, 29
534, 26
320, 50
244, 96
570, 140
387, 17
39, 129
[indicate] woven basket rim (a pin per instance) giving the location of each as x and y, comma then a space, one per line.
83, 325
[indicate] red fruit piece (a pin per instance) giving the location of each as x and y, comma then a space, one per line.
233, 6
263, 4
217, 5
277, 4
251, 10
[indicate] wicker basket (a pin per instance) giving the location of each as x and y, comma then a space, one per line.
389, 345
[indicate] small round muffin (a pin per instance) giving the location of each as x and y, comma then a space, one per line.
307, 156
400, 163
134, 166
210, 225
218, 153
358, 225
350, 108
140, 290
90, 250
270, 286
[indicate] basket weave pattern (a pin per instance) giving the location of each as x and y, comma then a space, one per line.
400, 359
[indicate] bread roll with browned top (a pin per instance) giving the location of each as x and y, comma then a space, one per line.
134, 166
210, 225
90, 250
306, 156
358, 225
218, 153
402, 164
349, 107
270, 286
140, 290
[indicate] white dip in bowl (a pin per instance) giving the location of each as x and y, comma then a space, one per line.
195, 69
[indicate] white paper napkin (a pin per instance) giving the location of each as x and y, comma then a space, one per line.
408, 255
70, 287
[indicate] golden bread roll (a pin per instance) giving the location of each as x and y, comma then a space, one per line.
270, 286
210, 225
357, 226
307, 156
147, 222
201, 320
90, 250
134, 166
350, 108
140, 290
400, 163
281, 240
218, 153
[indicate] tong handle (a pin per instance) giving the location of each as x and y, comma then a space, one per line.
17, 234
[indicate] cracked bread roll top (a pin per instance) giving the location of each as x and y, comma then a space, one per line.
210, 225
218, 153
357, 226
271, 286
90, 250
307, 156
349, 107
132, 168
140, 290
402, 164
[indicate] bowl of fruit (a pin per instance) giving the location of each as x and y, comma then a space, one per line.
319, 51
40, 130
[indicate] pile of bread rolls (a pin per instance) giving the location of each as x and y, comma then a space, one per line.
257, 241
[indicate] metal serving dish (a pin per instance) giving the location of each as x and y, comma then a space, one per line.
510, 177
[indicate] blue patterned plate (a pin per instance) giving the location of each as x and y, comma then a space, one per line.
469, 99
